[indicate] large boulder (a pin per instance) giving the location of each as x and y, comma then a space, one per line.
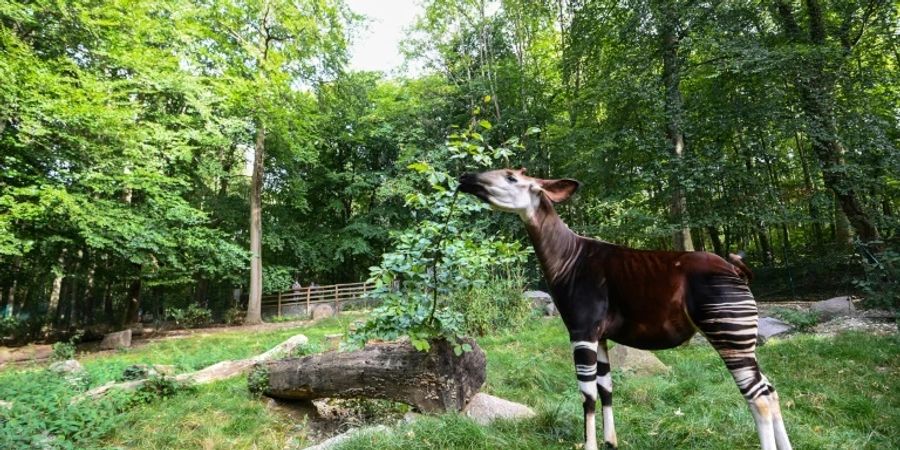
833, 307
538, 299
322, 312
484, 409
67, 367
636, 361
550, 310
119, 339
770, 327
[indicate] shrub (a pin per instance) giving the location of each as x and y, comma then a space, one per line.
191, 317
802, 320
498, 305
66, 350
881, 284
235, 316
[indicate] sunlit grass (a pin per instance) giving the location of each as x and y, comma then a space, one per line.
837, 393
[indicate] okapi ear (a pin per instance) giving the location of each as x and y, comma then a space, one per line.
559, 191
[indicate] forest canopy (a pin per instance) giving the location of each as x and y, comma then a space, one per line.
158, 154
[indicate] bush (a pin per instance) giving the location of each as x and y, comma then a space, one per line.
14, 329
802, 320
191, 317
498, 305
235, 316
881, 284
66, 350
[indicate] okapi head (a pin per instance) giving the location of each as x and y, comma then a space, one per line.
512, 191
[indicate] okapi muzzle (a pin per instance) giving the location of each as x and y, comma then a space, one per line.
644, 299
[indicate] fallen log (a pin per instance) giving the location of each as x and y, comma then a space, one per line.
432, 381
218, 371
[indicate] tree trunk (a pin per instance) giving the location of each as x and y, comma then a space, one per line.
254, 308
674, 118
132, 313
842, 236
432, 381
811, 189
816, 88
716, 241
58, 275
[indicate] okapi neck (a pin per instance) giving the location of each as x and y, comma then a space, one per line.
556, 246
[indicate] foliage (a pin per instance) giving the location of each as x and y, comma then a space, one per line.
258, 380
234, 316
881, 284
801, 320
438, 258
192, 317
66, 350
498, 305
159, 387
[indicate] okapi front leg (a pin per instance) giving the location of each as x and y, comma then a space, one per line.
604, 388
585, 354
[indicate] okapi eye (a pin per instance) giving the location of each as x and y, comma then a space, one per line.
511, 178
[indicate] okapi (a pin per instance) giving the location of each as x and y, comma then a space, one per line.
645, 299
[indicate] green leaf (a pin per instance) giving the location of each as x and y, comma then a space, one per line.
485, 124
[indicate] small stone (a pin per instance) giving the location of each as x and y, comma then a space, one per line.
5, 404
771, 327
119, 339
333, 341
833, 307
322, 312
484, 409
636, 361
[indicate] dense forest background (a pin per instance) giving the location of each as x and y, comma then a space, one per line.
160, 154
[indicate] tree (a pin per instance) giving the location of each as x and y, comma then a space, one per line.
265, 48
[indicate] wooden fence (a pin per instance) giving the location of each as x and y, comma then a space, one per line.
292, 302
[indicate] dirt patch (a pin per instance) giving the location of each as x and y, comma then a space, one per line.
841, 324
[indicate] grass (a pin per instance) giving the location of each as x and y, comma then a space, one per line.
837, 393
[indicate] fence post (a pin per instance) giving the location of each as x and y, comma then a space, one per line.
279, 303
308, 292
337, 300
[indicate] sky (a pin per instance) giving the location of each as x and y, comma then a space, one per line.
375, 46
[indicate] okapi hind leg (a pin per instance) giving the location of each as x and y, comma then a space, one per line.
727, 316
585, 355
604, 388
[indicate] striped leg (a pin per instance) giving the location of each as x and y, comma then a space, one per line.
729, 322
604, 388
585, 354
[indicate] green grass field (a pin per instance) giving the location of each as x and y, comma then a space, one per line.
837, 393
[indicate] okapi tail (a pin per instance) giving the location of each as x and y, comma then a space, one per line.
738, 261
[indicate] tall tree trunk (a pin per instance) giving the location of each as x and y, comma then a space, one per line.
842, 236
811, 189
674, 118
765, 244
58, 275
132, 312
254, 308
716, 241
816, 88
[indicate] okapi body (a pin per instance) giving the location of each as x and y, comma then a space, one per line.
644, 299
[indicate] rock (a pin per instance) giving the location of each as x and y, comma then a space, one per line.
165, 369
67, 367
333, 341
770, 327
484, 409
335, 441
833, 307
119, 339
539, 299
5, 404
322, 312
550, 310
639, 362
411, 417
